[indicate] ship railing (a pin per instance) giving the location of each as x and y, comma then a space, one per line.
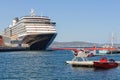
35, 16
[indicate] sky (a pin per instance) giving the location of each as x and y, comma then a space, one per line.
76, 20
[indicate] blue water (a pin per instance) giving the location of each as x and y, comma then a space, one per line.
50, 65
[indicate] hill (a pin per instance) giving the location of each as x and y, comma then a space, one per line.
79, 44
74, 44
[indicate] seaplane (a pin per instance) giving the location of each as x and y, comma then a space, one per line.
78, 54
103, 63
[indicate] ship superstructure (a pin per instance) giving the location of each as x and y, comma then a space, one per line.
36, 32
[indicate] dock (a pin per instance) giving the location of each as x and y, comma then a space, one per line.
84, 63
6, 49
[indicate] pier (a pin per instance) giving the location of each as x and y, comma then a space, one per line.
5, 49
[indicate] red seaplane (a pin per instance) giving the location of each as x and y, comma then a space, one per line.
77, 52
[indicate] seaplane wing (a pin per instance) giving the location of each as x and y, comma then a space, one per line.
77, 52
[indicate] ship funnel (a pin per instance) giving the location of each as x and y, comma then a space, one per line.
15, 20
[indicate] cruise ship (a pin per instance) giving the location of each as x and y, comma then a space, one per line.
35, 32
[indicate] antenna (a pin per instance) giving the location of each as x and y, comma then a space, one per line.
32, 12
112, 39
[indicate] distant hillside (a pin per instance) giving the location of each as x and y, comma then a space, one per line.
78, 44
74, 44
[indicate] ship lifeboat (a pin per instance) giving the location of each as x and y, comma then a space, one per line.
105, 64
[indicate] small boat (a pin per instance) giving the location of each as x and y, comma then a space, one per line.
105, 64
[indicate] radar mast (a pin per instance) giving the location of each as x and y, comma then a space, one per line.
32, 12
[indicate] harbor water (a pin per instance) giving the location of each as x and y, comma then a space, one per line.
50, 65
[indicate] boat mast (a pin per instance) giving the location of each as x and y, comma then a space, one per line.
112, 40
